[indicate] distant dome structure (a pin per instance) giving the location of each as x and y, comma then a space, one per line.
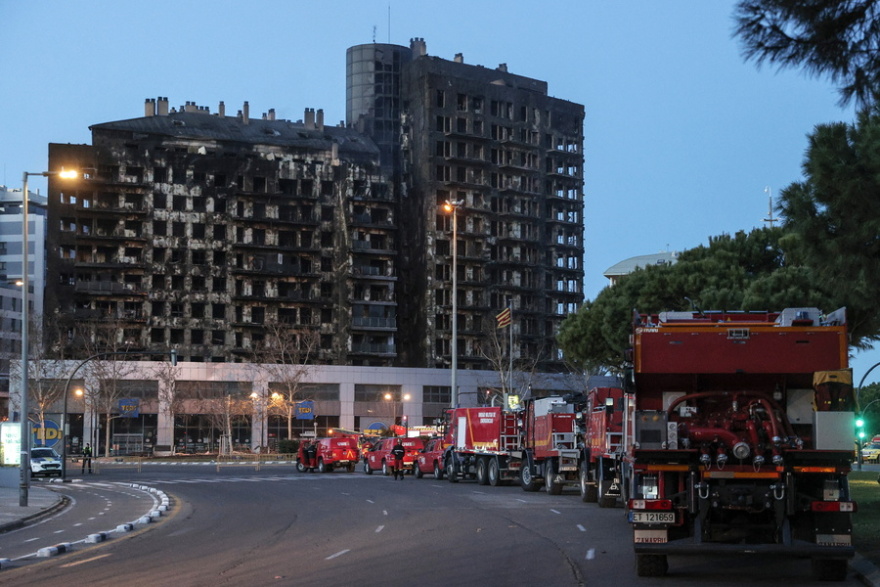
627, 266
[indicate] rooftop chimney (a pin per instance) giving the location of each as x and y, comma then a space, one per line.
459, 58
320, 121
418, 47
162, 105
271, 114
310, 118
222, 109
502, 67
150, 107
246, 113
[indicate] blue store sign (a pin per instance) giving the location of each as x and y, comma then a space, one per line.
48, 436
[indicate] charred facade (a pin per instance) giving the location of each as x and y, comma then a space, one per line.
195, 231
199, 231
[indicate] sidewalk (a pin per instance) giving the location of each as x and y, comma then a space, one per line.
42, 501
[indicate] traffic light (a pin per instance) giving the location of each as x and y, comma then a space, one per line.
860, 428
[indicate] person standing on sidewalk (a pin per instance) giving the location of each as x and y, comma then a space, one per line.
398, 452
87, 458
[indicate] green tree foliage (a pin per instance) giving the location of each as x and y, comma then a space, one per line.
832, 219
739, 272
835, 38
867, 396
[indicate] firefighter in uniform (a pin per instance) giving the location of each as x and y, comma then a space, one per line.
398, 452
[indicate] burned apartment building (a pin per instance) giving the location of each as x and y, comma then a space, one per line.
202, 231
511, 158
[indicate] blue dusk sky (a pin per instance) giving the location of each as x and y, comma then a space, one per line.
682, 137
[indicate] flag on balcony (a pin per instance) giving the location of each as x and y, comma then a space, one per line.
503, 319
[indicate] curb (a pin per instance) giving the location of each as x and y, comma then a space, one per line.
62, 503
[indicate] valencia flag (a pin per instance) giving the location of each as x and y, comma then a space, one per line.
503, 319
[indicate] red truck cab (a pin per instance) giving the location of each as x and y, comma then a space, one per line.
430, 459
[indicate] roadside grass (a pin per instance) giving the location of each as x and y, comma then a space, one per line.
866, 522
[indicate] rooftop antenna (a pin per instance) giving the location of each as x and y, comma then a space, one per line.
770, 219
374, 34
389, 23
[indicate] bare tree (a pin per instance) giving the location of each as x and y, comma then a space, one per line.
104, 399
285, 358
170, 401
44, 387
496, 349
223, 409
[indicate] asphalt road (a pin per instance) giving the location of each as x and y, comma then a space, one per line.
279, 527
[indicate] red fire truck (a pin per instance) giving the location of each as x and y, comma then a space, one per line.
602, 445
479, 444
549, 451
330, 453
742, 437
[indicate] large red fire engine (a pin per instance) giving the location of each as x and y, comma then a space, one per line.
602, 445
741, 437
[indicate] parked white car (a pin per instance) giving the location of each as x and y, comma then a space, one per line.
45, 461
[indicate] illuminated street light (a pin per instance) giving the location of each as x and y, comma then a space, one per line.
451, 207
25, 465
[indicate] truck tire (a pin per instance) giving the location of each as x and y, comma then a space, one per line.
494, 472
483, 471
451, 473
385, 470
322, 468
438, 471
552, 486
830, 569
526, 479
651, 565
589, 491
367, 468
300, 467
417, 472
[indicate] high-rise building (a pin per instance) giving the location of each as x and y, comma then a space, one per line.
209, 232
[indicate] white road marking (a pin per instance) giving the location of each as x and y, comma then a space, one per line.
555, 511
379, 529
384, 512
370, 501
581, 528
591, 554
340, 553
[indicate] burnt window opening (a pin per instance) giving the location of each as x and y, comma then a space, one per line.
218, 311
179, 203
198, 231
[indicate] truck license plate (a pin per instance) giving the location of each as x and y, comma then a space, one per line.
653, 517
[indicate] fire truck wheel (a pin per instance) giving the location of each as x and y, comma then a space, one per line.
828, 569
551, 484
589, 491
526, 479
322, 468
367, 468
451, 473
385, 470
417, 472
482, 472
494, 472
438, 471
300, 467
651, 565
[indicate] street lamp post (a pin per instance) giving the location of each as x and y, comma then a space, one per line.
24, 464
452, 207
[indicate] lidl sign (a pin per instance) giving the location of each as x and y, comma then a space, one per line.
305, 410
47, 435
